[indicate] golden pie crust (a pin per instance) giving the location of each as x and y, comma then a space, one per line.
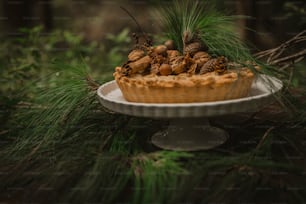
185, 88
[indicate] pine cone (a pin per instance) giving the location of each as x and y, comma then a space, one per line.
219, 65
201, 58
208, 66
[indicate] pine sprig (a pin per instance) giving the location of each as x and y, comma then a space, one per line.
156, 174
63, 130
62, 105
213, 28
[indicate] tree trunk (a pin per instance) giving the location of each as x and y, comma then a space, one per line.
246, 25
21, 14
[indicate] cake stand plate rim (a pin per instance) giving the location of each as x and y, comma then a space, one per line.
109, 96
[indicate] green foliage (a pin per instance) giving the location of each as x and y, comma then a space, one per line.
26, 62
299, 74
29, 56
104, 182
72, 101
119, 48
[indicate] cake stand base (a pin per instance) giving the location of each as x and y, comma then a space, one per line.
189, 134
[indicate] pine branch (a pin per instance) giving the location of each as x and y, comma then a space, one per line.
274, 55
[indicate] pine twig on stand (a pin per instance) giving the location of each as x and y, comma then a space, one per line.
274, 55
290, 60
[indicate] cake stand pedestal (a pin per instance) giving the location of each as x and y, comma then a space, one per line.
189, 134
189, 129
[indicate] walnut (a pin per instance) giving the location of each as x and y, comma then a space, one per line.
140, 65
154, 68
160, 50
177, 64
136, 55
172, 54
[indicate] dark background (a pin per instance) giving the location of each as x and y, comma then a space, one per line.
262, 162
273, 20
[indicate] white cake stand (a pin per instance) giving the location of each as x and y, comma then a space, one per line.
189, 129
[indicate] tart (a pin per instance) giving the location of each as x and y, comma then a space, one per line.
159, 75
184, 88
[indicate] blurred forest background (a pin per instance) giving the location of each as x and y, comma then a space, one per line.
270, 22
99, 30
